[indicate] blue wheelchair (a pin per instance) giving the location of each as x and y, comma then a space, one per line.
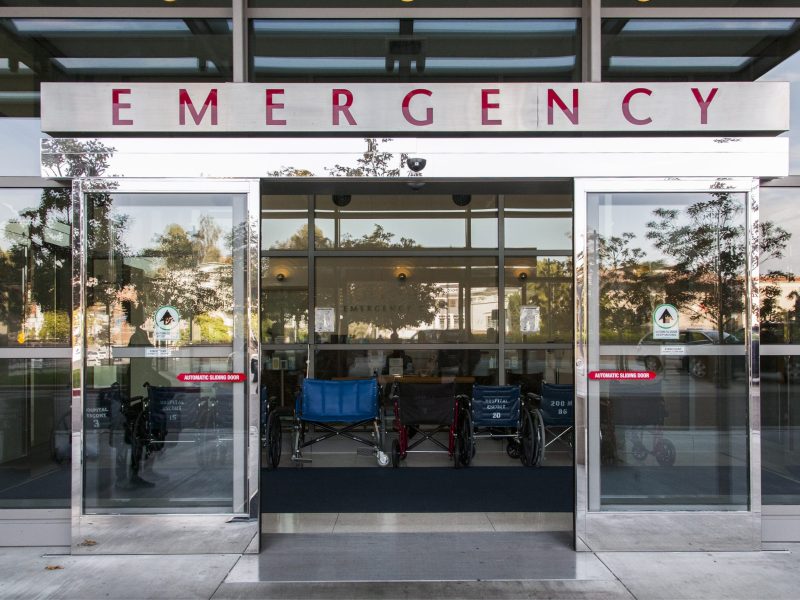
556, 408
500, 412
339, 408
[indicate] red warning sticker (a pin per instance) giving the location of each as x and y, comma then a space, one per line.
621, 375
212, 377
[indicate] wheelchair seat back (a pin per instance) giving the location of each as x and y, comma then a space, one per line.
558, 404
426, 403
495, 405
338, 401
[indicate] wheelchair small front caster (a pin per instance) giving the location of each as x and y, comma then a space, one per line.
383, 459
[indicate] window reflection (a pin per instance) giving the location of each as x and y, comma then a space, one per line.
542, 221
35, 446
35, 263
408, 300
399, 49
387, 221
538, 299
284, 300
37, 50
464, 366
678, 437
690, 49
284, 222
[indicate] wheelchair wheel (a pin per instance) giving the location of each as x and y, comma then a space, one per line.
513, 449
538, 423
665, 452
274, 441
395, 453
528, 439
465, 448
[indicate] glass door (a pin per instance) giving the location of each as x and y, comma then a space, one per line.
168, 290
667, 325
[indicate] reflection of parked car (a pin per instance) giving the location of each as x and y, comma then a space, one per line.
697, 366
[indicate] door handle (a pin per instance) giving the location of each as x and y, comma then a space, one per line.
254, 369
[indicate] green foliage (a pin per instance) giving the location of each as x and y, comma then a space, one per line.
213, 329
55, 326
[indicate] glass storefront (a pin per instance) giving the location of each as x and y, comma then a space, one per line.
162, 307
669, 302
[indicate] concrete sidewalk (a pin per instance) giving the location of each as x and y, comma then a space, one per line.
50, 573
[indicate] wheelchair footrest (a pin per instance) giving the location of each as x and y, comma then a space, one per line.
300, 459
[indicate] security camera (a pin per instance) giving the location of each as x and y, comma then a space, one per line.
416, 164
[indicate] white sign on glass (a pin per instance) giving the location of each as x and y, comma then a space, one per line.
324, 320
665, 322
168, 321
529, 319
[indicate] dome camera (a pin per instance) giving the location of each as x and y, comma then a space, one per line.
416, 164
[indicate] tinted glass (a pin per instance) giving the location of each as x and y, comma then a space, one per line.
284, 300
538, 299
393, 3
694, 49
679, 437
35, 445
37, 50
415, 49
542, 221
35, 267
780, 372
407, 222
704, 3
110, 4
160, 303
466, 366
284, 222
406, 300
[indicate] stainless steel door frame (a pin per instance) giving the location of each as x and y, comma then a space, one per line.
234, 532
664, 529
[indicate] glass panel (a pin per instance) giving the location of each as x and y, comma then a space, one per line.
703, 3
692, 49
160, 303
467, 366
678, 438
35, 267
529, 368
393, 3
409, 221
538, 299
780, 292
780, 429
540, 221
35, 443
36, 50
284, 222
419, 49
407, 300
283, 374
110, 3
779, 262
284, 300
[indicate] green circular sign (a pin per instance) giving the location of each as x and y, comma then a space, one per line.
665, 316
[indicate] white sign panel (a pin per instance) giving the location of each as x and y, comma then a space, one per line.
324, 320
665, 322
167, 324
529, 319
281, 108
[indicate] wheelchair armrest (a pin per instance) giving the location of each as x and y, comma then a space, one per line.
534, 399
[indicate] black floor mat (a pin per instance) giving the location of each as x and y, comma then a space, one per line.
477, 489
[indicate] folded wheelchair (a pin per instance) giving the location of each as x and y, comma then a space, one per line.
500, 412
338, 409
556, 408
423, 410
